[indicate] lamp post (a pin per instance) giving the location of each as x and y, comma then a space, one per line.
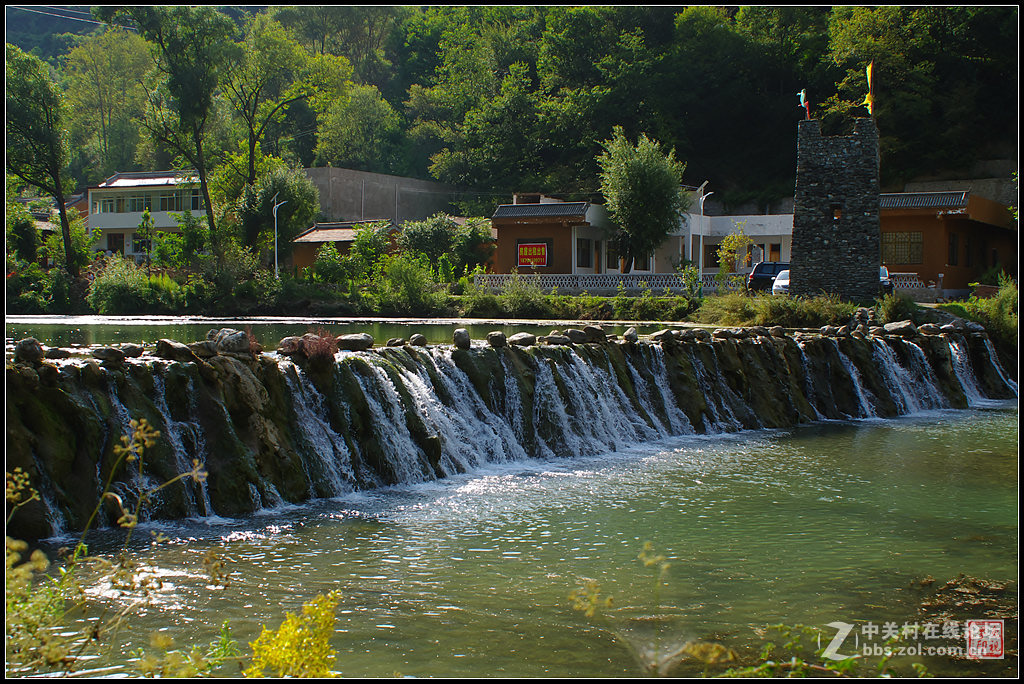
700, 254
276, 205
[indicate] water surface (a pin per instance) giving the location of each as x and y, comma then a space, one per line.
470, 577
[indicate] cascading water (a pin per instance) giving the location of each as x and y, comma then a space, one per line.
276, 430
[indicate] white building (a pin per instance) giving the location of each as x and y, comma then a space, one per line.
116, 205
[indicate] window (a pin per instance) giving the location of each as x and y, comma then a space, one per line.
139, 245
115, 242
138, 203
642, 262
775, 252
584, 253
170, 202
107, 205
711, 256
903, 247
837, 211
612, 258
953, 257
196, 201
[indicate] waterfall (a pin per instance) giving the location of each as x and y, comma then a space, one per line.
177, 432
911, 392
999, 366
964, 372
329, 464
865, 405
275, 431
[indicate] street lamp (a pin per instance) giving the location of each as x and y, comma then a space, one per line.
276, 205
700, 254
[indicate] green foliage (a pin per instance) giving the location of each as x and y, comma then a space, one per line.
641, 189
736, 309
80, 252
454, 248
372, 241
300, 647
330, 266
893, 307
999, 314
404, 284
255, 209
122, 287
734, 247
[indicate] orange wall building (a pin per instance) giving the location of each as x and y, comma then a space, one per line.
955, 234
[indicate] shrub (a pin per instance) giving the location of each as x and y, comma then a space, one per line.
523, 298
406, 285
736, 308
330, 266
124, 288
893, 307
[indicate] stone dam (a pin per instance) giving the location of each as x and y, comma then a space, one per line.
300, 423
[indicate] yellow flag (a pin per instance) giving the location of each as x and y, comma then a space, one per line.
869, 100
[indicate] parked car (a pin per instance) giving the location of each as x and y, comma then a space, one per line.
886, 283
763, 275
781, 284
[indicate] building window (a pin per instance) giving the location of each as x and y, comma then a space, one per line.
138, 204
584, 253
711, 256
196, 200
954, 250
115, 243
139, 245
775, 252
642, 262
611, 258
903, 247
107, 205
837, 211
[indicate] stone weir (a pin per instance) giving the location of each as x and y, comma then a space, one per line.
321, 417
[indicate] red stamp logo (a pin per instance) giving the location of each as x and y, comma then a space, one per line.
984, 639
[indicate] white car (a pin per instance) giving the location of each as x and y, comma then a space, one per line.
781, 283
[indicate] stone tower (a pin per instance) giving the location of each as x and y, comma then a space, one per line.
836, 229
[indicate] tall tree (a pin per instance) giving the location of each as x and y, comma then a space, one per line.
641, 186
105, 90
193, 47
271, 73
37, 137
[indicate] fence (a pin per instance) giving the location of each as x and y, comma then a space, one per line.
597, 283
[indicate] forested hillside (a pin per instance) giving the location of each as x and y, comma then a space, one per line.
505, 98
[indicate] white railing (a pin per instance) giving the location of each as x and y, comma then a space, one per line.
594, 283
906, 281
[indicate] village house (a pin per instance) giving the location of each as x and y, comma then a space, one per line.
115, 207
949, 238
341, 234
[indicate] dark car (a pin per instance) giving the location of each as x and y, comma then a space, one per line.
763, 275
884, 281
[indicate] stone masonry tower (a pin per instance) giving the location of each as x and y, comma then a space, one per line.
836, 230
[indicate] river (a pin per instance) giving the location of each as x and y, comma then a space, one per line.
470, 577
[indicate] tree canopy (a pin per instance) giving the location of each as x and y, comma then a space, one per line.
641, 186
501, 99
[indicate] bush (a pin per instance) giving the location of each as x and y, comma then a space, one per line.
999, 315
406, 286
737, 308
330, 266
124, 288
523, 298
892, 308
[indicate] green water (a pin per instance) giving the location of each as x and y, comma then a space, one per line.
67, 331
470, 577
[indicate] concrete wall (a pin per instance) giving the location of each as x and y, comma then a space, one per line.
347, 195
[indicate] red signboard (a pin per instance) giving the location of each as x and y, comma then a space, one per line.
533, 254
